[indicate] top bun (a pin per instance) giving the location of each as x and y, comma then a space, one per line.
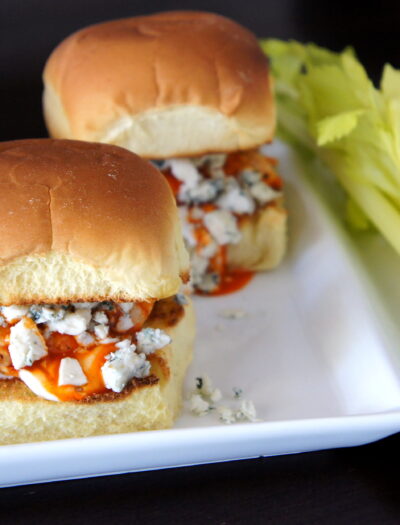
168, 84
85, 222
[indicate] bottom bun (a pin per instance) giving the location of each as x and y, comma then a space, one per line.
263, 242
148, 404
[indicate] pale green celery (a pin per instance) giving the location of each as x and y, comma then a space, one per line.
356, 217
379, 210
328, 107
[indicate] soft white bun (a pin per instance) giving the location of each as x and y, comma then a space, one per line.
147, 405
85, 222
263, 242
164, 85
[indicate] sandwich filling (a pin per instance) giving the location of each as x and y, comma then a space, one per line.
69, 352
214, 194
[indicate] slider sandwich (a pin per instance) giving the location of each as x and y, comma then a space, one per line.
94, 338
192, 92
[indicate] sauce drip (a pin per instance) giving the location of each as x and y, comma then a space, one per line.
231, 282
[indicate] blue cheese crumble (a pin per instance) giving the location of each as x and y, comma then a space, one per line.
232, 313
246, 412
11, 313
151, 339
205, 399
236, 199
123, 365
223, 227
185, 171
181, 299
70, 373
26, 344
198, 405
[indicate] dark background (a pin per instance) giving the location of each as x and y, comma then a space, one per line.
359, 485
30, 29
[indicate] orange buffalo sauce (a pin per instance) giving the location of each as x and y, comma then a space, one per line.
4, 335
174, 183
61, 344
233, 281
230, 280
91, 360
252, 159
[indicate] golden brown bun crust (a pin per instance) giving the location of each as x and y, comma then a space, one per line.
147, 65
148, 404
92, 207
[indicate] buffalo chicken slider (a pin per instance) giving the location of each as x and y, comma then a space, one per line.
192, 92
94, 338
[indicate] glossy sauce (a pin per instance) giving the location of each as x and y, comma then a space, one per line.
91, 360
174, 183
231, 282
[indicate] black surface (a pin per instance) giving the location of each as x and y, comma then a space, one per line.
359, 485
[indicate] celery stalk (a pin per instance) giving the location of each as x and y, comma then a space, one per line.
328, 107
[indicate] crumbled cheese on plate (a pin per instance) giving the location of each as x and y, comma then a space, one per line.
232, 313
205, 399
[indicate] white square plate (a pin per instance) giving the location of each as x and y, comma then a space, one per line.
317, 352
